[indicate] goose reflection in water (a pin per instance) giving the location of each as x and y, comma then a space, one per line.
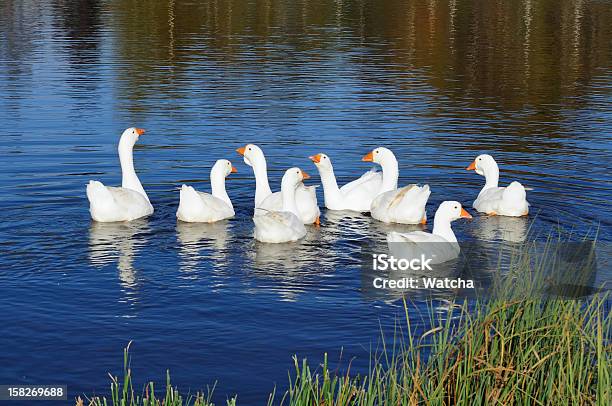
345, 222
293, 267
116, 242
201, 241
509, 229
379, 230
342, 230
498, 239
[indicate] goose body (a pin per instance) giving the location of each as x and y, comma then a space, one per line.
404, 205
356, 195
440, 245
306, 201
492, 199
125, 203
203, 207
305, 196
278, 226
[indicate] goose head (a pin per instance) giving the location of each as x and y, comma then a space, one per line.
451, 211
483, 164
321, 161
130, 136
293, 177
252, 154
380, 155
223, 167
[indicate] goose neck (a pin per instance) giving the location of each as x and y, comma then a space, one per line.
129, 179
442, 228
288, 197
331, 192
491, 175
390, 175
262, 187
217, 186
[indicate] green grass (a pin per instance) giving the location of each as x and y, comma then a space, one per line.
123, 394
515, 348
519, 352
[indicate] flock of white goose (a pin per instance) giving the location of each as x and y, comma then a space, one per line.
280, 216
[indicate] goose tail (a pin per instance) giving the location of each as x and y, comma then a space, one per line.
515, 192
188, 201
98, 194
424, 195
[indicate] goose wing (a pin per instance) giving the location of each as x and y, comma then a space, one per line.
369, 183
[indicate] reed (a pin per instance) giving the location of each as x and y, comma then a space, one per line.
519, 352
123, 394
519, 346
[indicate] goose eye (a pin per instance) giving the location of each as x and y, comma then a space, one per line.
324, 157
376, 152
456, 207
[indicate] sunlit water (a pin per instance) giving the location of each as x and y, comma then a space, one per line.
438, 82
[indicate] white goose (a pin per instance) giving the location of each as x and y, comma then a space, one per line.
441, 245
125, 203
199, 207
356, 195
405, 205
284, 225
494, 200
306, 196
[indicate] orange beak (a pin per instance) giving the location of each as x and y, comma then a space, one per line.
315, 158
465, 214
140, 131
241, 151
369, 157
234, 170
305, 175
472, 166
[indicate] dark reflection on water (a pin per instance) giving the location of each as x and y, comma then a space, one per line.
437, 81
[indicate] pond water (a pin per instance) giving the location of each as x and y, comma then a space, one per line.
438, 82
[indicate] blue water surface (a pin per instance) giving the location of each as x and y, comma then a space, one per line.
437, 82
